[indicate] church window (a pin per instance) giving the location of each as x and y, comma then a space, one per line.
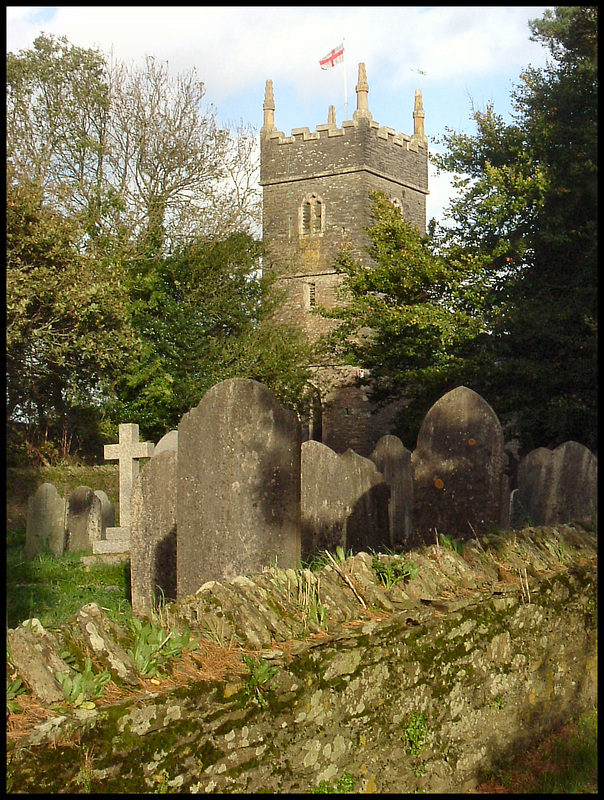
312, 220
311, 295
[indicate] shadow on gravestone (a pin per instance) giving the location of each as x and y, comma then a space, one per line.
238, 486
46, 521
344, 501
461, 489
153, 541
393, 460
556, 486
84, 521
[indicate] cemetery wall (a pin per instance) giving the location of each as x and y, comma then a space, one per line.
415, 687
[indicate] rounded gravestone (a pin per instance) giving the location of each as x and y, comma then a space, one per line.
46, 522
460, 486
238, 492
84, 519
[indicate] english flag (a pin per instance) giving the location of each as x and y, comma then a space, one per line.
333, 58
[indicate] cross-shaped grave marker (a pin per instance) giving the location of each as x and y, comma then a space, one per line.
128, 452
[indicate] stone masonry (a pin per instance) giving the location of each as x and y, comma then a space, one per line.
315, 200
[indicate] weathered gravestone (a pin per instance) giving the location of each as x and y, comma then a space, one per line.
344, 501
461, 489
46, 520
84, 520
238, 492
393, 460
107, 512
153, 533
556, 486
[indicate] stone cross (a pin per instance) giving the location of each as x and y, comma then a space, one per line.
127, 452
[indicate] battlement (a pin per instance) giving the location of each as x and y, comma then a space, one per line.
359, 145
327, 131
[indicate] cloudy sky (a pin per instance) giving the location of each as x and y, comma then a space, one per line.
458, 55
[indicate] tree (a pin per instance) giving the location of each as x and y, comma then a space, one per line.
117, 175
204, 315
67, 323
527, 210
413, 320
179, 174
130, 151
57, 112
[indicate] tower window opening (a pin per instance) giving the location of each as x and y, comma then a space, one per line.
312, 295
312, 216
316, 217
306, 212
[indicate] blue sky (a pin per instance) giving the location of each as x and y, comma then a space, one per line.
470, 56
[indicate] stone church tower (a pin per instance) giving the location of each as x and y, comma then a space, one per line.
315, 200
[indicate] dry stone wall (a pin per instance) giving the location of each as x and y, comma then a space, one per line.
414, 682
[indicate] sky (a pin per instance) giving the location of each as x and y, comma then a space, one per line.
459, 56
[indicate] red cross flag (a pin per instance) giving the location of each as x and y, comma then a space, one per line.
333, 58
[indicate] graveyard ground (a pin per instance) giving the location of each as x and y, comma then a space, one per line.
53, 589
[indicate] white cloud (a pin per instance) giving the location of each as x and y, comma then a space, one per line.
465, 52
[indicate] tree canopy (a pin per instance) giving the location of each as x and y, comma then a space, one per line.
503, 296
134, 280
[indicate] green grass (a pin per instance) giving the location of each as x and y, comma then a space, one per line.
54, 588
576, 759
565, 762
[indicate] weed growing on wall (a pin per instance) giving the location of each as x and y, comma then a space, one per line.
415, 733
394, 569
455, 545
154, 646
85, 686
261, 673
344, 784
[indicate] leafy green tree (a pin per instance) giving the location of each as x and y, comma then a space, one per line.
203, 315
413, 320
527, 211
67, 323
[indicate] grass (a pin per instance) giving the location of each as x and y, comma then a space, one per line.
54, 588
565, 762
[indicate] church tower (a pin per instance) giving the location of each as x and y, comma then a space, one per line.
316, 190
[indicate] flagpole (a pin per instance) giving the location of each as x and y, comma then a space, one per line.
345, 91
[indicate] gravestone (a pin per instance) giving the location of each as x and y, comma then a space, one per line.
460, 486
169, 441
556, 486
84, 520
238, 491
393, 460
344, 501
153, 533
128, 452
46, 520
107, 512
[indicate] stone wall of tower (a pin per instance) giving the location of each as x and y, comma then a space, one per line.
341, 165
337, 167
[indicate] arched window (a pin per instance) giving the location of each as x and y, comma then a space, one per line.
312, 216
